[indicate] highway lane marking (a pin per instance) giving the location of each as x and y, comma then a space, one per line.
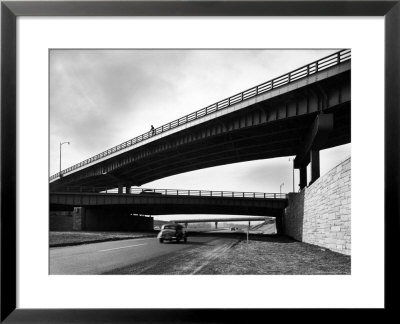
139, 238
122, 247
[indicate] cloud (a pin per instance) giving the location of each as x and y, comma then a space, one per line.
100, 98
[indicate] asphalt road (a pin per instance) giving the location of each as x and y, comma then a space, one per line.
108, 257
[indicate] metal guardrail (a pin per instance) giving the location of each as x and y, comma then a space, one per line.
300, 73
176, 192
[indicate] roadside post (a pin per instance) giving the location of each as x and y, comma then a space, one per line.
248, 229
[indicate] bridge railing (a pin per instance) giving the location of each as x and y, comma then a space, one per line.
295, 75
176, 192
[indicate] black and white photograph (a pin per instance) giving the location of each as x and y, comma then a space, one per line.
200, 161
197, 161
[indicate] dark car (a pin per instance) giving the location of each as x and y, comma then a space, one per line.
172, 232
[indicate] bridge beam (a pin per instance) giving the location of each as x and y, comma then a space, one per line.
121, 183
303, 176
279, 224
314, 157
120, 188
309, 149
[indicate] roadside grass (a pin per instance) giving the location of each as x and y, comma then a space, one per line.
58, 239
283, 256
263, 255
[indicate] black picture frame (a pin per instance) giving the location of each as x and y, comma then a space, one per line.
10, 10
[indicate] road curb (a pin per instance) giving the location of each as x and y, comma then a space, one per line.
100, 240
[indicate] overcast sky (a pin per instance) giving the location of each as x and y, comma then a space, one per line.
100, 98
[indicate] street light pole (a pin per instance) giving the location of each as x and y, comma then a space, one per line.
280, 188
61, 144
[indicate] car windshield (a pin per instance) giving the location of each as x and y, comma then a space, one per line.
170, 227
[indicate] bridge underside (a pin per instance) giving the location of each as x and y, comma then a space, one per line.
153, 205
266, 129
116, 212
208, 220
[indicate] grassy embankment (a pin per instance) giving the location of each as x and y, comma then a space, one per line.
281, 256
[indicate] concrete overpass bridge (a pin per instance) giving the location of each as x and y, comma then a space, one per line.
298, 113
105, 209
219, 220
174, 201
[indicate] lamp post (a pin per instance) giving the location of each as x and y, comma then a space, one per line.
280, 188
292, 159
61, 144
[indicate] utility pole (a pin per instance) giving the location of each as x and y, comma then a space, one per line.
280, 188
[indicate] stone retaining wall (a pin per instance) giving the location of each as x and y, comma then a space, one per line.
320, 214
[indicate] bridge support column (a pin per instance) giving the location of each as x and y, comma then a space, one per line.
279, 225
216, 225
79, 219
303, 176
128, 189
314, 157
308, 151
120, 188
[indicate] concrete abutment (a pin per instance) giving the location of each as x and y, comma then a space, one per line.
321, 213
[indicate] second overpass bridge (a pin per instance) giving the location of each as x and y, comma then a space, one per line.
104, 209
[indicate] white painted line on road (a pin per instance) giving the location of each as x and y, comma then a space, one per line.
123, 247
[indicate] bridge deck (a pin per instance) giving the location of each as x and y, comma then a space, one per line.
288, 78
210, 220
167, 201
267, 129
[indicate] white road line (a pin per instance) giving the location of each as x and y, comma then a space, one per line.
139, 239
123, 247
